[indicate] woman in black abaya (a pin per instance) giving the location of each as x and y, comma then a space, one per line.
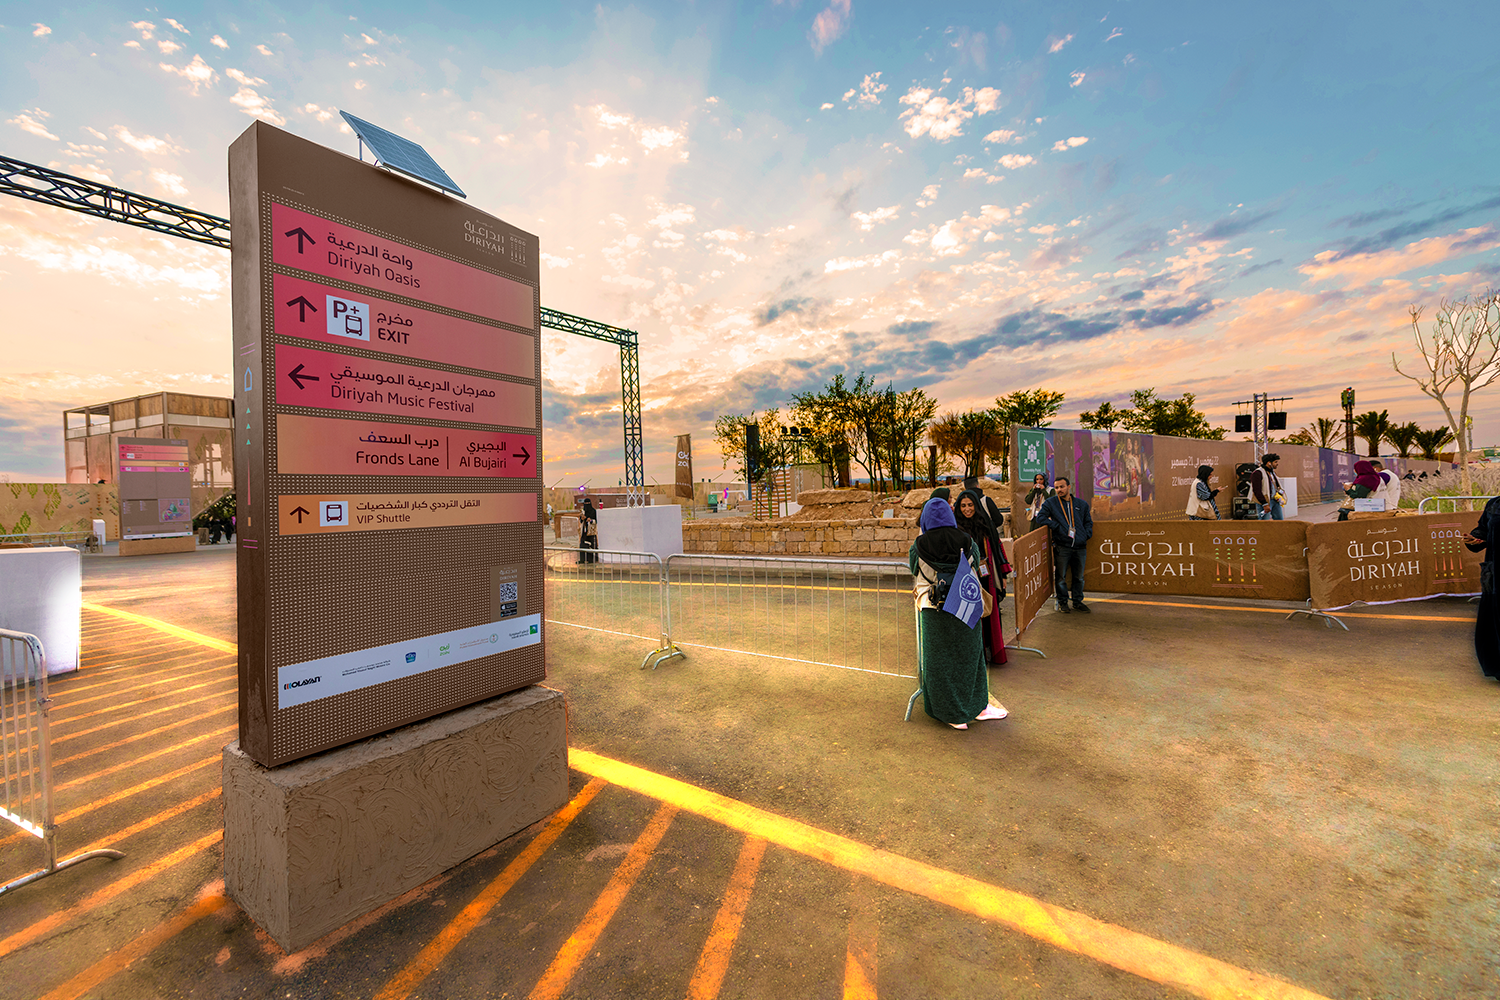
1487, 624
588, 532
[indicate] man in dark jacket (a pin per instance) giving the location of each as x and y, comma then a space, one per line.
1072, 526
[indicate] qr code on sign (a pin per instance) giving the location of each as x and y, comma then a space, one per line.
510, 591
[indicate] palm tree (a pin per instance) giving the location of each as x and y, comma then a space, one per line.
1321, 432
1373, 427
1402, 437
1430, 441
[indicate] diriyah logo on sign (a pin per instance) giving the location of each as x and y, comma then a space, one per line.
1145, 560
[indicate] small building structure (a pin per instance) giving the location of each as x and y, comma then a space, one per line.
90, 435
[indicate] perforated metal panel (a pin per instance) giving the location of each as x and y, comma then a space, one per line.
315, 597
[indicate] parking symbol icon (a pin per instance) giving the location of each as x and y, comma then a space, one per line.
332, 512
348, 318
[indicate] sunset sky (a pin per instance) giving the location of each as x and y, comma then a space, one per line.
968, 197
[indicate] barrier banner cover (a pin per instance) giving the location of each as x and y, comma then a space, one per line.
1031, 556
1384, 560
1261, 560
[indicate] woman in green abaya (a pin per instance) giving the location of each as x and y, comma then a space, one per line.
955, 683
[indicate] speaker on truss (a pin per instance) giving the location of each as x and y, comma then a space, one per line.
1276, 420
1242, 423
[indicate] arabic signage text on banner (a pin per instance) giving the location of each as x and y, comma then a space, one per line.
329, 381
685, 465
336, 447
310, 515
1031, 557
309, 242
316, 311
1262, 560
1383, 560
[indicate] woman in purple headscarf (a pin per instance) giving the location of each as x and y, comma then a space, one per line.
955, 682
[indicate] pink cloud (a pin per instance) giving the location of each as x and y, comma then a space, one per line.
830, 24
1357, 269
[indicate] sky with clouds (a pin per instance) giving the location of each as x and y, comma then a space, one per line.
1091, 197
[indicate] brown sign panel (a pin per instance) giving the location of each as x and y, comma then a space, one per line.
1031, 556
156, 488
1248, 559
1382, 560
684, 465
387, 449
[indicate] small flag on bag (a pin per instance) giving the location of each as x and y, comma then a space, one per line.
964, 601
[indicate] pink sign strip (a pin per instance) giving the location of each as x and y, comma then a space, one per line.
305, 377
311, 243
321, 312
333, 447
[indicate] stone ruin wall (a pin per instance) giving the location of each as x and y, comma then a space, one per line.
830, 523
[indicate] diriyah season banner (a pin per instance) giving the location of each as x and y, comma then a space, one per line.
1261, 560
685, 465
1383, 560
1031, 557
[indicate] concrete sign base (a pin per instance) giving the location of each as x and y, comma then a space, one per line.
311, 845
157, 546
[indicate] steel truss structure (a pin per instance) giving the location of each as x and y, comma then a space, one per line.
103, 201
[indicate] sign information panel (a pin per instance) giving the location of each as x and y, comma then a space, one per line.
156, 488
387, 449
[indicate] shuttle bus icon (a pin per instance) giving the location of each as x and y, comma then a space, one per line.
347, 318
332, 512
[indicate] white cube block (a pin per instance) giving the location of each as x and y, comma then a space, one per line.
641, 529
41, 592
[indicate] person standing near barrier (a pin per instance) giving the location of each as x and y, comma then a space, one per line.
1072, 526
1487, 622
1201, 504
955, 683
1034, 500
1390, 492
588, 532
993, 569
1267, 488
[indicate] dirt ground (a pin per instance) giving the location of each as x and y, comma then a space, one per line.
1247, 794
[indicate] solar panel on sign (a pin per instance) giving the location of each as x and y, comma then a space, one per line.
401, 155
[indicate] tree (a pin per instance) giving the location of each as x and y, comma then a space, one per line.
752, 463
1170, 417
903, 423
1322, 431
1429, 442
1022, 408
968, 437
1104, 418
1373, 426
1029, 407
1402, 437
1302, 437
1460, 356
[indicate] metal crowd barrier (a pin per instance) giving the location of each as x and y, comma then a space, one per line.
625, 591
851, 614
26, 751
84, 539
1438, 502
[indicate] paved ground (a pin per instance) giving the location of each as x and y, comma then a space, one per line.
1187, 800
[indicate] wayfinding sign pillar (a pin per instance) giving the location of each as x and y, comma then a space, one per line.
387, 449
